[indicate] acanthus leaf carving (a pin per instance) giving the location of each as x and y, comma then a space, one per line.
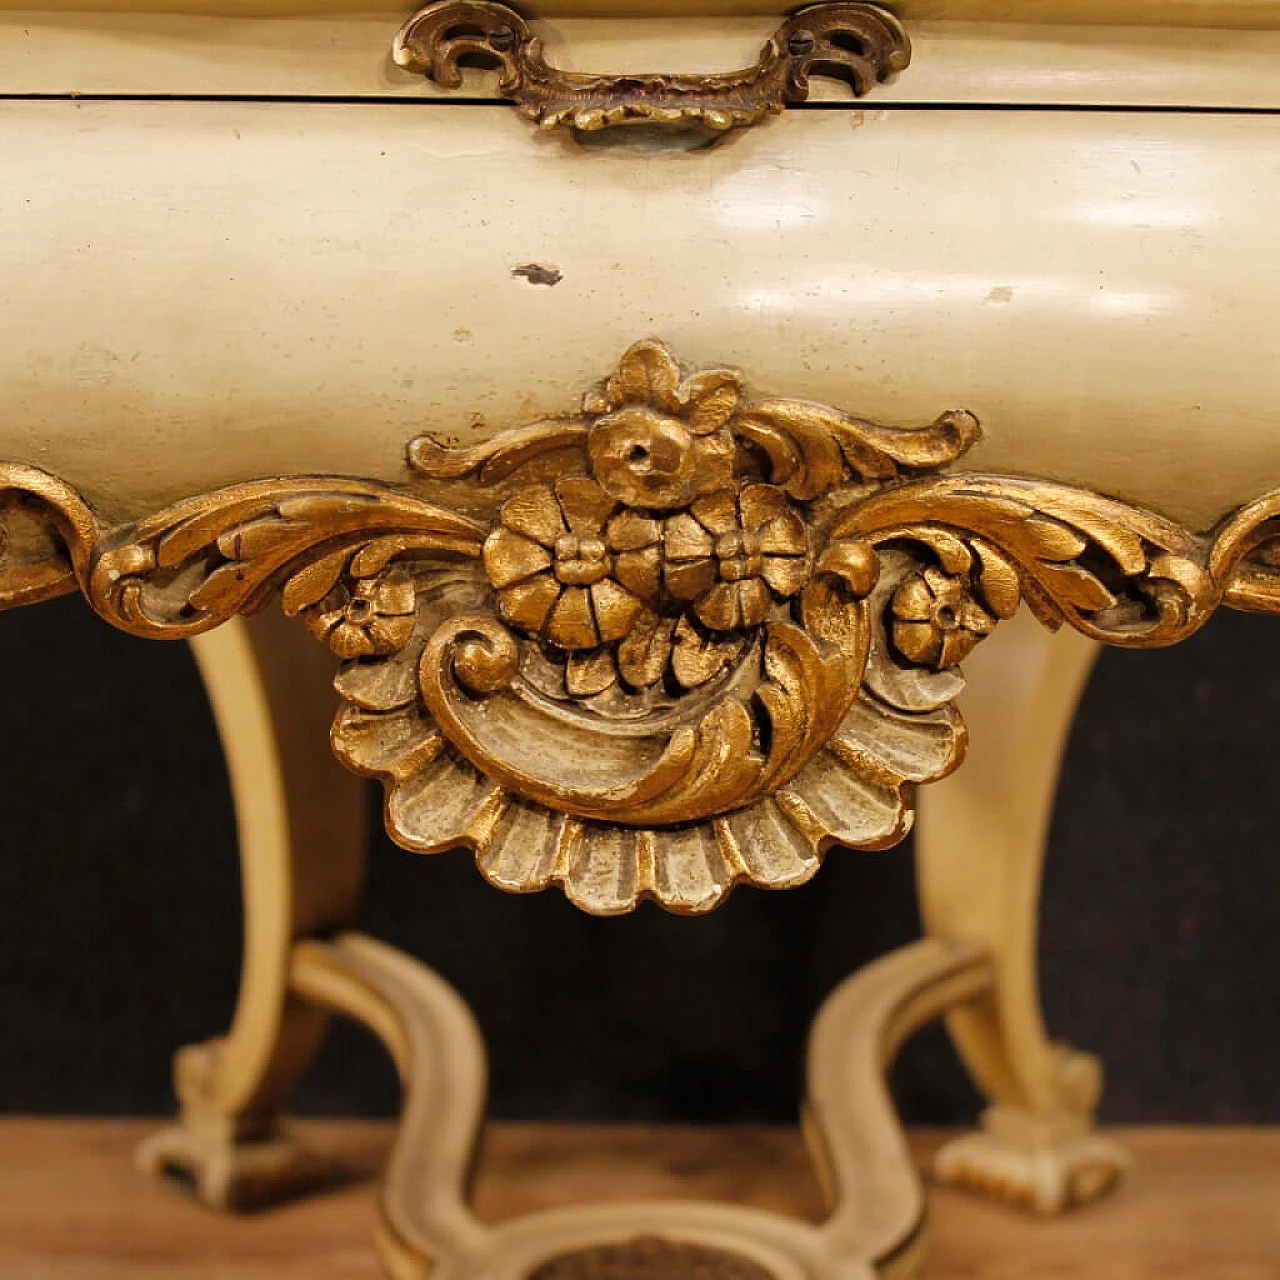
201, 562
1118, 575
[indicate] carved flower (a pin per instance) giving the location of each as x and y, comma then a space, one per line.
364, 617
552, 568
659, 442
936, 622
732, 554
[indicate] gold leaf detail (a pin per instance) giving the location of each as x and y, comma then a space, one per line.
712, 397
590, 673
536, 514
313, 582
646, 649
647, 374
572, 624
498, 458
615, 609
511, 557
696, 657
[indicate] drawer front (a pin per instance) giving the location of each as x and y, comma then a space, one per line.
198, 293
960, 54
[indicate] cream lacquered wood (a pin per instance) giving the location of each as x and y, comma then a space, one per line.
1239, 14
981, 839
199, 293
302, 837
348, 55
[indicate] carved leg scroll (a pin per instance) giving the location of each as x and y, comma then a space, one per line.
877, 1202
302, 837
980, 844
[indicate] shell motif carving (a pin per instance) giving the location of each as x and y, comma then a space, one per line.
663, 676
684, 638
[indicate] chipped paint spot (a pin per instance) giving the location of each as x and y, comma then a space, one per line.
537, 273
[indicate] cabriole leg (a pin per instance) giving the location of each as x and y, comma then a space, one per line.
302, 837
980, 847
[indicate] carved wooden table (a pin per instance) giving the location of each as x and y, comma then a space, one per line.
670, 589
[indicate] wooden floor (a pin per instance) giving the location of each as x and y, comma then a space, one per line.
1199, 1205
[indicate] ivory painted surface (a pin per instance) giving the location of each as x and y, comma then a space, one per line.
201, 293
1247, 14
873, 1229
980, 844
302, 835
100, 51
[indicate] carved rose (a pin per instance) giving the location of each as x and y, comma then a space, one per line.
366, 617
935, 621
552, 568
659, 442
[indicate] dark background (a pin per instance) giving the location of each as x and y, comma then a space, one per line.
119, 925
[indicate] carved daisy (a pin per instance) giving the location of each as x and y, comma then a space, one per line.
552, 568
935, 621
364, 617
733, 554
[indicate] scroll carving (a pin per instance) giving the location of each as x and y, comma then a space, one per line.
859, 43
688, 639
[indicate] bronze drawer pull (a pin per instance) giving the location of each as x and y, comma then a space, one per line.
859, 43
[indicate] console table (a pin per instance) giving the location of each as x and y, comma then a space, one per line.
649, 452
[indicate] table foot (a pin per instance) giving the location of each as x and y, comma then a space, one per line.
1047, 1164
241, 1173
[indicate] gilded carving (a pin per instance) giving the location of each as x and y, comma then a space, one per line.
686, 638
656, 681
937, 620
859, 43
370, 615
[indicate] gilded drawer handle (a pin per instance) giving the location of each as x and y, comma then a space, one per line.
859, 43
